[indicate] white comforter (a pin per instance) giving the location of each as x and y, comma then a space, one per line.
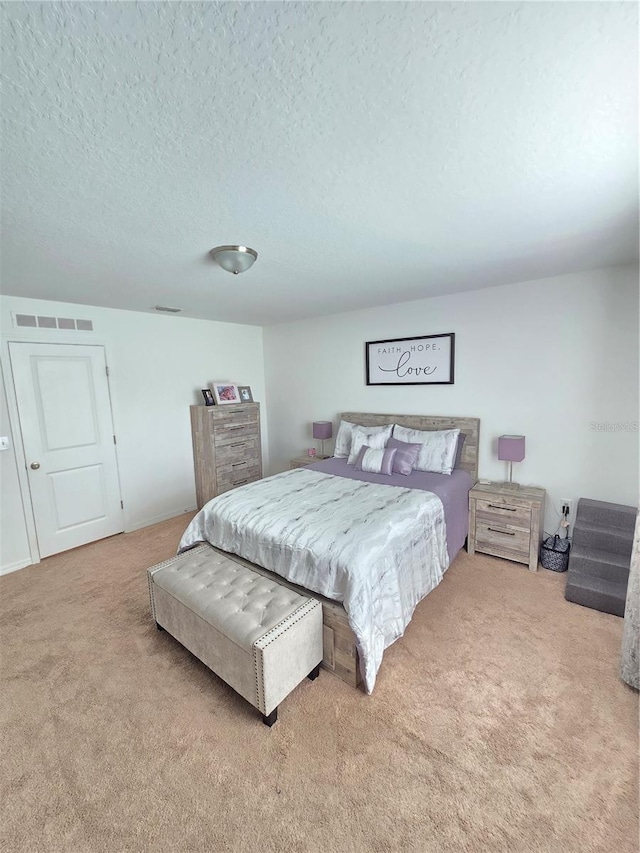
377, 549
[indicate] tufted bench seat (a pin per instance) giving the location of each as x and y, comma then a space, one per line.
259, 637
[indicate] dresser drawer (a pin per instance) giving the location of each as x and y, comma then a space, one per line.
241, 477
237, 470
224, 416
241, 449
229, 434
501, 512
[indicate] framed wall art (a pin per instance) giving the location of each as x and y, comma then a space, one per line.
425, 360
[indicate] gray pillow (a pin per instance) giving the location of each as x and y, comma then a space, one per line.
406, 455
459, 450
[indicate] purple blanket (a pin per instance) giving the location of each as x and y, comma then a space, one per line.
452, 490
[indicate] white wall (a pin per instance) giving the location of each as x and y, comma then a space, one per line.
14, 544
158, 365
545, 358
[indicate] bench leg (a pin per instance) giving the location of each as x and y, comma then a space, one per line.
271, 719
315, 672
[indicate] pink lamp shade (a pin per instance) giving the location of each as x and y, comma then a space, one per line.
322, 429
511, 448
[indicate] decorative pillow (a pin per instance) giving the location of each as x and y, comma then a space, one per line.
459, 449
343, 438
438, 451
375, 461
406, 455
360, 436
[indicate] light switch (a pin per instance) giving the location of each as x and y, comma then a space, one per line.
4, 442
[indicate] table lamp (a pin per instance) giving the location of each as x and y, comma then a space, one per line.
511, 449
322, 430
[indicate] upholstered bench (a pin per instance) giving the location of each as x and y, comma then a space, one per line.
259, 637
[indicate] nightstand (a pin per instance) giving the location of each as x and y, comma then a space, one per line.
301, 461
506, 522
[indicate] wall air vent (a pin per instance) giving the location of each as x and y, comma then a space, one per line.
65, 324
166, 309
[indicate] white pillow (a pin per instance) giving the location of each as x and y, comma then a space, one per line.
343, 438
361, 435
438, 451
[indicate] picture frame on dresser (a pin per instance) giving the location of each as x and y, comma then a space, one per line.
225, 393
245, 393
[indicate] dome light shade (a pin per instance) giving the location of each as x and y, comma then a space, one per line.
235, 259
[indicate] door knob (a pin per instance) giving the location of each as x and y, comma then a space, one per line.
35, 465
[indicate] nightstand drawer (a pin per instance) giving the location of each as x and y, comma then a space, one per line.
501, 512
503, 537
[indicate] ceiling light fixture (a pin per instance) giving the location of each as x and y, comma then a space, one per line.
234, 259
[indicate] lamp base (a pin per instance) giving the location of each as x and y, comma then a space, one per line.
509, 485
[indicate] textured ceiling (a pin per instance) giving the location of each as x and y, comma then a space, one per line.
371, 152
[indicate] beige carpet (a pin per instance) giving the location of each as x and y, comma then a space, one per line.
498, 723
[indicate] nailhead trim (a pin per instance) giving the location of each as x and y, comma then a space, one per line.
259, 645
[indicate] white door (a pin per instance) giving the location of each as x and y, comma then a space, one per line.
67, 431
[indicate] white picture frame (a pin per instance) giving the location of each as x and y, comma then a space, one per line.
225, 393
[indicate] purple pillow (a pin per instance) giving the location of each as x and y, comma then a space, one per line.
459, 450
406, 455
375, 461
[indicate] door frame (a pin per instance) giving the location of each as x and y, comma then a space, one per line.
39, 336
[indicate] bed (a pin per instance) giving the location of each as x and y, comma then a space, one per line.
369, 546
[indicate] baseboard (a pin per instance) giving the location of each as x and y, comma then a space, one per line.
14, 567
158, 518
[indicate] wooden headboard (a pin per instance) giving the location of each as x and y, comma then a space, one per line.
469, 426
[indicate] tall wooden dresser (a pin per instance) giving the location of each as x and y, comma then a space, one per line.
226, 448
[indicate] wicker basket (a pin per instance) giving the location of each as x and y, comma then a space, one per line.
554, 553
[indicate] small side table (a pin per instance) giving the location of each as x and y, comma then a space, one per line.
301, 461
506, 522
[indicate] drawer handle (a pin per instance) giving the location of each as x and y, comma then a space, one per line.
240, 482
237, 426
497, 506
504, 532
240, 444
237, 464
